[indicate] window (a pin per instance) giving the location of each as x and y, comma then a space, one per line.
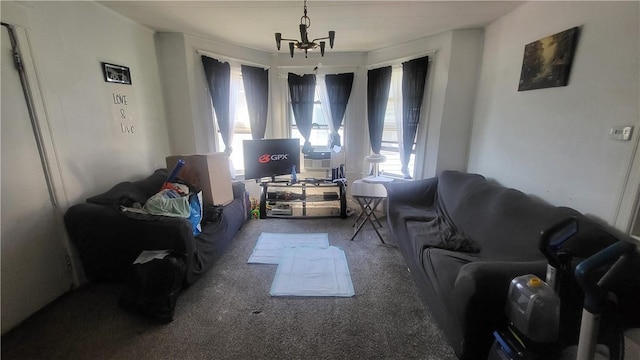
320, 131
390, 134
242, 127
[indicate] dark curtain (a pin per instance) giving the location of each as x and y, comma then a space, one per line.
378, 81
414, 74
338, 92
218, 76
302, 90
256, 89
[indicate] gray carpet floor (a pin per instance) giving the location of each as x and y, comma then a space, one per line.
229, 314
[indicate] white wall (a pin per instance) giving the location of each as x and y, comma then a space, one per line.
553, 143
177, 92
84, 142
69, 40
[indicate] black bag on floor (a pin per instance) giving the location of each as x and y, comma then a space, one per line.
154, 287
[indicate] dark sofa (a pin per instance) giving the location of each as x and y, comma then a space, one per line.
464, 238
108, 240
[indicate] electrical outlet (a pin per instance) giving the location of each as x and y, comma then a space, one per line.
622, 133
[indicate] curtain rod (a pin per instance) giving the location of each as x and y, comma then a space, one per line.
431, 54
322, 70
231, 59
321, 66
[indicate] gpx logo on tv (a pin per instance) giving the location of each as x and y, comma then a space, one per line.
263, 159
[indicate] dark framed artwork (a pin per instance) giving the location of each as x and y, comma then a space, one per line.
116, 73
547, 62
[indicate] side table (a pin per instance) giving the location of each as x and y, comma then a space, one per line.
369, 193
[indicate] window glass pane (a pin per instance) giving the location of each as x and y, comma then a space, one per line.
389, 148
319, 136
242, 131
393, 165
237, 156
242, 124
389, 132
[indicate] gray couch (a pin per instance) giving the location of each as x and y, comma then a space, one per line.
464, 238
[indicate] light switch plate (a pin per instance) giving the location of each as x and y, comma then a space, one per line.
622, 133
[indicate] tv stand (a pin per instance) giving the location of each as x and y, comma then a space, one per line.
305, 198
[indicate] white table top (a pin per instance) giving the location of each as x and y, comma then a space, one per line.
368, 189
377, 179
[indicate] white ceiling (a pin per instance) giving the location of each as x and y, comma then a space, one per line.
360, 26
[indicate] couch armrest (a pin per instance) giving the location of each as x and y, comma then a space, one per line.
412, 192
479, 296
239, 190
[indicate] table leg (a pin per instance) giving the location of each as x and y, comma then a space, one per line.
368, 206
359, 224
359, 215
376, 202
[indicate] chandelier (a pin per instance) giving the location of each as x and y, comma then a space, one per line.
304, 44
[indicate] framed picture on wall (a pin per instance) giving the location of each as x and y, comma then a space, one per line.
547, 62
116, 73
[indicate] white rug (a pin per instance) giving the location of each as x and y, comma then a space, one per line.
269, 247
309, 271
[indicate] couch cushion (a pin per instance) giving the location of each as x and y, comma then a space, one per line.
442, 267
137, 191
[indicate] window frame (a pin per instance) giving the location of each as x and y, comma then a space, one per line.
392, 166
240, 129
293, 128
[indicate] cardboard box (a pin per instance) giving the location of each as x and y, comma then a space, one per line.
208, 172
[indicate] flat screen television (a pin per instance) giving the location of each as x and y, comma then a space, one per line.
268, 158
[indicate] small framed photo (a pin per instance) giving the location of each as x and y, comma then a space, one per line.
547, 62
116, 73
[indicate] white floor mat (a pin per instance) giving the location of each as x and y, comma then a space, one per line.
308, 271
269, 246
